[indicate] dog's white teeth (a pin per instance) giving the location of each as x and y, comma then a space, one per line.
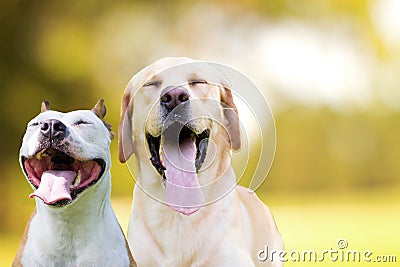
41, 154
77, 180
161, 157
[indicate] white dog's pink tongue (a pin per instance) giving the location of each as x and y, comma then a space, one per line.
183, 192
55, 186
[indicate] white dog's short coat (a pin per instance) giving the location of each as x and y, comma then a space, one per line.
66, 159
179, 120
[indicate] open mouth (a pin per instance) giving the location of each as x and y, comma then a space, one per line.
183, 133
58, 178
178, 154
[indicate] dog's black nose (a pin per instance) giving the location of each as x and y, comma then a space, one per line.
53, 129
170, 98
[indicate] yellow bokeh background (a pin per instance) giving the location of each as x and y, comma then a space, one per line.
329, 69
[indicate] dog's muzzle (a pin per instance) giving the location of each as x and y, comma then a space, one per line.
177, 129
178, 153
57, 176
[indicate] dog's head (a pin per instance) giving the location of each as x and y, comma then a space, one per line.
178, 108
63, 155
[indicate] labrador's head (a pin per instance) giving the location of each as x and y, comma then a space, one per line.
179, 116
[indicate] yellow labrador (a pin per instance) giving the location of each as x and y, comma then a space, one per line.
179, 120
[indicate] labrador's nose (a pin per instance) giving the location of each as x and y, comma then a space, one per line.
171, 98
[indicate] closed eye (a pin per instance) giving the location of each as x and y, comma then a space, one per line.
33, 124
81, 122
152, 83
195, 82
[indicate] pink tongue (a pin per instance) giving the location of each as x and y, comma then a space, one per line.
183, 192
55, 186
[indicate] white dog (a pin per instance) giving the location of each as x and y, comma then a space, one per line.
179, 119
66, 159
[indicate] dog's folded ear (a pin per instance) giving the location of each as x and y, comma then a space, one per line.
231, 115
125, 142
45, 106
100, 111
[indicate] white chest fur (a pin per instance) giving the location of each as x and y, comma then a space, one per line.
83, 234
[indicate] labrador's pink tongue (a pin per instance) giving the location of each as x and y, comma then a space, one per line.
55, 186
183, 192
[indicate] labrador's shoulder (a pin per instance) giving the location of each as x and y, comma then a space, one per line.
253, 205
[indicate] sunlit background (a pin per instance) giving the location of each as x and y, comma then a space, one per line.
330, 70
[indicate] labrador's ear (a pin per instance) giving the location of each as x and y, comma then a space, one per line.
45, 106
231, 115
125, 142
100, 111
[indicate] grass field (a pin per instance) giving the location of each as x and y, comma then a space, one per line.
368, 222
312, 222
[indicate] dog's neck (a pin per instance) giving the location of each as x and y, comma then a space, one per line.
160, 220
85, 227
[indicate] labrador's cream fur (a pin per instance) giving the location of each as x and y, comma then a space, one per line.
233, 224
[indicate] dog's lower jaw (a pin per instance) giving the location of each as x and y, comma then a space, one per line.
82, 232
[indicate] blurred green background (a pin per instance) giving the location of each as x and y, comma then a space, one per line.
330, 70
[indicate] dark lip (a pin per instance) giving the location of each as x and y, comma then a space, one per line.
153, 143
63, 165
